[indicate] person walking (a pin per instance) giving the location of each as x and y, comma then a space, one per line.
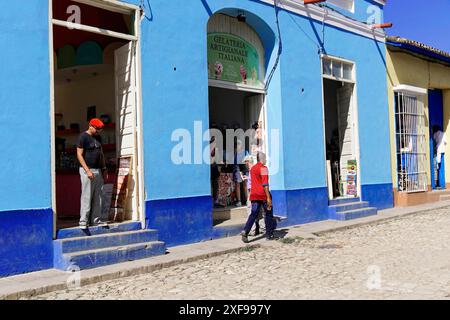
260, 197
92, 168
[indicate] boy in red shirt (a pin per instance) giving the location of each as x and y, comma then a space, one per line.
260, 197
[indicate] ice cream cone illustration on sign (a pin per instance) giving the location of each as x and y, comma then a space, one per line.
218, 70
243, 74
254, 76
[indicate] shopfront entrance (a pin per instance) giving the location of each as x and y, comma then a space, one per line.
340, 129
94, 76
237, 113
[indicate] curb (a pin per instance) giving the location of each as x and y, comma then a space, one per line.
122, 274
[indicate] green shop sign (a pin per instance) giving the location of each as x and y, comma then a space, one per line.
231, 58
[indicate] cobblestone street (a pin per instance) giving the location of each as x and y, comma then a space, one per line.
406, 258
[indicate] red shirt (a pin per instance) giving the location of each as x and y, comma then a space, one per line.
260, 179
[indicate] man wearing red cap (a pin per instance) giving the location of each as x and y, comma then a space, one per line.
92, 166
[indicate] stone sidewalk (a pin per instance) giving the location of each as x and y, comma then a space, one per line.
37, 283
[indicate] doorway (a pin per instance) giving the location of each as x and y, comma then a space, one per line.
436, 125
94, 76
240, 116
340, 139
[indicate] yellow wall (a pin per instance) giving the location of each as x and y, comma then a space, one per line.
403, 68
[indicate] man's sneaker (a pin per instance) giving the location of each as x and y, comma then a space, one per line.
83, 226
238, 204
244, 237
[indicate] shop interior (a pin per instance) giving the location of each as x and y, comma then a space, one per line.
233, 109
84, 88
340, 139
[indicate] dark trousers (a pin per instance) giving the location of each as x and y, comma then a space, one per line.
268, 217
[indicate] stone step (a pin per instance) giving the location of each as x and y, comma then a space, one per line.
69, 245
348, 206
230, 213
100, 257
343, 200
444, 197
112, 228
354, 214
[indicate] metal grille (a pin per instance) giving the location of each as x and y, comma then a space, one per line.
411, 146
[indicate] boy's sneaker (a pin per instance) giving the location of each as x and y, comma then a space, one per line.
83, 226
238, 204
271, 237
244, 237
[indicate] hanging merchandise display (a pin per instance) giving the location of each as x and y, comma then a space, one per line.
351, 178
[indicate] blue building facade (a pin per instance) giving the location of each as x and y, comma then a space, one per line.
174, 89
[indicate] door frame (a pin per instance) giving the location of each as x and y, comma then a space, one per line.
115, 6
354, 108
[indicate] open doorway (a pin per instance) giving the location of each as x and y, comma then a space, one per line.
94, 76
340, 137
437, 138
240, 111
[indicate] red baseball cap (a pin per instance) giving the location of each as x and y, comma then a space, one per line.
96, 123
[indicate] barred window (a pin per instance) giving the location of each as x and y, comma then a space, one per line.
411, 143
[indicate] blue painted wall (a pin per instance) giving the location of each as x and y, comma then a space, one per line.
25, 241
178, 103
25, 106
25, 228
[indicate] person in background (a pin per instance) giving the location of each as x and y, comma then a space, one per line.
261, 198
215, 172
440, 143
92, 169
239, 154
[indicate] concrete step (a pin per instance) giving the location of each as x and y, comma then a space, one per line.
354, 214
69, 245
112, 228
100, 257
343, 200
230, 213
348, 206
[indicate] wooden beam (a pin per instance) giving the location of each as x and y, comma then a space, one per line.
109, 33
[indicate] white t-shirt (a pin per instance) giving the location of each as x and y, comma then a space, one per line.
441, 142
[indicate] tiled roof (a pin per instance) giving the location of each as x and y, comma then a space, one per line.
419, 45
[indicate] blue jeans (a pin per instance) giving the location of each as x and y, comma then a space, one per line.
268, 217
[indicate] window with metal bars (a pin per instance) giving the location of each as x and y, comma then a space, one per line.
411, 143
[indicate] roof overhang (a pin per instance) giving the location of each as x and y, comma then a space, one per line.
418, 51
